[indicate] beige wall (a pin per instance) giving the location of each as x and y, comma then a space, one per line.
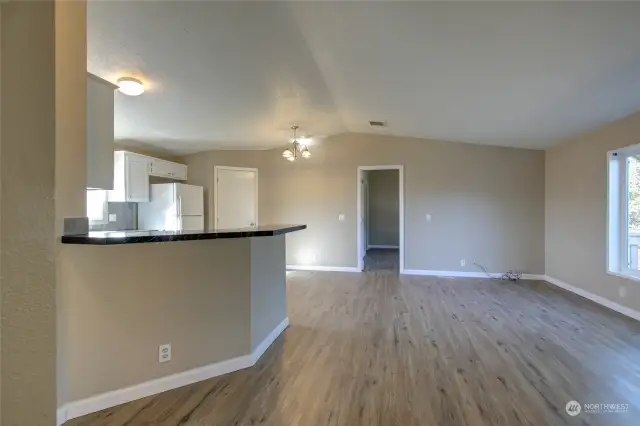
268, 286
27, 215
212, 300
576, 211
486, 203
200, 172
194, 295
71, 131
384, 214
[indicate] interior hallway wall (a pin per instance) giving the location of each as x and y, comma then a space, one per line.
42, 83
486, 202
384, 208
200, 172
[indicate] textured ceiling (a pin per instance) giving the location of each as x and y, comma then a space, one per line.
237, 74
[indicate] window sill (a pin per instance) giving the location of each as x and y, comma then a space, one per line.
623, 275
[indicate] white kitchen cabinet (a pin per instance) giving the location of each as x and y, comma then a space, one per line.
130, 177
99, 133
167, 169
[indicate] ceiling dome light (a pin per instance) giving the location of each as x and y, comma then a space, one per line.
130, 86
287, 153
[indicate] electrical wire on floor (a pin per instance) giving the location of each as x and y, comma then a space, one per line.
509, 275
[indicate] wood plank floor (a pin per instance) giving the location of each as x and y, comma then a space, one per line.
382, 260
377, 349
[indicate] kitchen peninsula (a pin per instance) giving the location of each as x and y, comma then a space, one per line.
219, 304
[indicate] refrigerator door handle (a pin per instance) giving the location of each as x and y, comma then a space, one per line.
180, 212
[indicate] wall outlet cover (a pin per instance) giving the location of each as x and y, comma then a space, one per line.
463, 262
164, 353
112, 217
341, 217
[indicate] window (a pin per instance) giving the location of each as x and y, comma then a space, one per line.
97, 206
624, 212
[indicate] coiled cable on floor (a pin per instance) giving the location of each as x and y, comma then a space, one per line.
509, 275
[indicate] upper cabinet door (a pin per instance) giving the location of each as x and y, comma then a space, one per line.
136, 178
99, 133
178, 171
160, 168
167, 169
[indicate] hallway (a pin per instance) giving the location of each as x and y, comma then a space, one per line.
381, 260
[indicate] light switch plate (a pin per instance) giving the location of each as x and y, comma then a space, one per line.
113, 217
341, 217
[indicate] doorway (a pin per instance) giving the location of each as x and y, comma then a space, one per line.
235, 197
381, 218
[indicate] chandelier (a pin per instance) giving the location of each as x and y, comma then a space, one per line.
297, 149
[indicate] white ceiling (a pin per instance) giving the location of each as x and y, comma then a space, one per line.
237, 74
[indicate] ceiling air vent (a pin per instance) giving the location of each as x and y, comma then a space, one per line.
378, 123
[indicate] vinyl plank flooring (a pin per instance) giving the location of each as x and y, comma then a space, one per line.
378, 349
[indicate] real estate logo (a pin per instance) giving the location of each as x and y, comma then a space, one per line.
573, 408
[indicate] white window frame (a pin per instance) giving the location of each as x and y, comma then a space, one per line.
105, 210
617, 213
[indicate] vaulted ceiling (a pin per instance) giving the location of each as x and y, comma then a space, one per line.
236, 75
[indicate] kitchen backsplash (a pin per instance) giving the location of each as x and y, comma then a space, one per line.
126, 217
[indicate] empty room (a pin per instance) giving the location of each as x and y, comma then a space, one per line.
302, 213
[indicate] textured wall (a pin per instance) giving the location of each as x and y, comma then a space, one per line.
576, 211
486, 203
268, 286
27, 216
70, 152
122, 302
384, 203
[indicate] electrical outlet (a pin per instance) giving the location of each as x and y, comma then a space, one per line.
463, 262
622, 291
112, 217
164, 353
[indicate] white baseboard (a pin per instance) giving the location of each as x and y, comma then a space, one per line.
595, 298
323, 268
111, 399
268, 341
466, 274
374, 246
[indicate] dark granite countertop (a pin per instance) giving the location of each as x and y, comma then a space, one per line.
136, 237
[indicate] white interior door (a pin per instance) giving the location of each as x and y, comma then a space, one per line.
365, 191
364, 213
236, 198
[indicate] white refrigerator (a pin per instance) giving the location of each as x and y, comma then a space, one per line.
173, 207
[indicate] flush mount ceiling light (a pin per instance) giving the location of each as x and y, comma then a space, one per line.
297, 149
130, 86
